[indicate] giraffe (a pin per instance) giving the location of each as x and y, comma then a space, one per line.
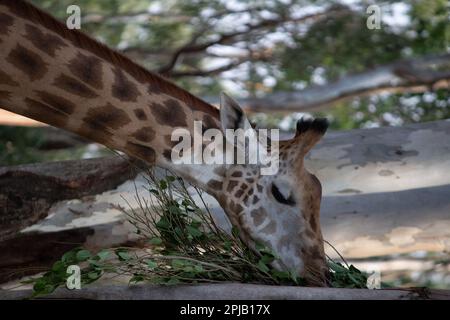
68, 80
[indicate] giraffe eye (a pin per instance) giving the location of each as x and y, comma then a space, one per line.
280, 197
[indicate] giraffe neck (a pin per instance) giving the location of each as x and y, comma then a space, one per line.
66, 79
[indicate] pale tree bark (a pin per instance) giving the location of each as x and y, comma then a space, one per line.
386, 190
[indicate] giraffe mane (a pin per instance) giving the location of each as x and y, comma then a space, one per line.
79, 39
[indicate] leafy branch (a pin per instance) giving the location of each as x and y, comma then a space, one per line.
183, 245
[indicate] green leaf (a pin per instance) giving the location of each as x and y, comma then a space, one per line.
39, 285
178, 263
83, 255
163, 224
93, 275
198, 268
95, 263
69, 257
136, 278
259, 246
267, 259
174, 209
283, 275
354, 269
337, 267
162, 184
196, 224
151, 264
59, 266
188, 269
122, 255
102, 255
227, 245
294, 277
194, 231
262, 266
156, 241
173, 281
235, 231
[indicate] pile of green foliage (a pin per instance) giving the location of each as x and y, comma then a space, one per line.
184, 246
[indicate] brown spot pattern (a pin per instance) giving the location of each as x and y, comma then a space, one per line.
108, 116
313, 222
45, 42
74, 86
6, 79
56, 102
209, 122
91, 132
140, 114
6, 21
258, 216
215, 184
167, 153
237, 174
41, 111
270, 228
144, 152
235, 207
28, 62
239, 193
144, 134
88, 69
170, 114
153, 88
4, 96
231, 185
123, 89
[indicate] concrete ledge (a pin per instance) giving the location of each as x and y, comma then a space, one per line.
231, 291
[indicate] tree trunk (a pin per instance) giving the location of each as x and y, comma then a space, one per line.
28, 191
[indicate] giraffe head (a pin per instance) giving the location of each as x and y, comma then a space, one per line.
280, 210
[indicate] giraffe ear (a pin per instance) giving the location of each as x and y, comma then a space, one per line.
231, 114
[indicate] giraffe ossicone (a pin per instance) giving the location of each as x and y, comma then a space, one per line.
66, 79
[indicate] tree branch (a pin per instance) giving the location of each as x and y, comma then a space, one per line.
209, 72
236, 61
413, 75
192, 46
